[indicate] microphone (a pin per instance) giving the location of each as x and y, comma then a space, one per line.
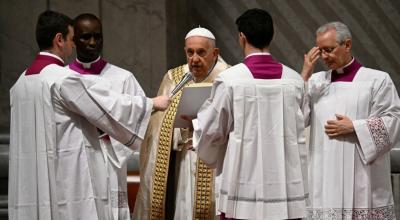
186, 78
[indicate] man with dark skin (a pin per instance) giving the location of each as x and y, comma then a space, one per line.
89, 44
88, 37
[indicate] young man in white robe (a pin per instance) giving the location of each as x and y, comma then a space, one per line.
355, 121
88, 38
169, 163
252, 130
56, 165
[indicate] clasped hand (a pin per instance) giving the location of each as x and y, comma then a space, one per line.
341, 126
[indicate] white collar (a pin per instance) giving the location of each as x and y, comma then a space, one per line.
51, 55
257, 53
87, 65
341, 69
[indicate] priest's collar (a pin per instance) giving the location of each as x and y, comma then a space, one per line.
88, 64
348, 72
343, 69
44, 53
257, 53
94, 67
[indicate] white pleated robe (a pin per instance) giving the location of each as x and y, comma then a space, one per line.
349, 176
252, 131
32, 181
52, 140
116, 154
81, 106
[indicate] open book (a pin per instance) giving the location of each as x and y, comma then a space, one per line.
193, 97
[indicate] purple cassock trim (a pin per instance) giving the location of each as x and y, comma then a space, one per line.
95, 68
264, 67
349, 72
40, 62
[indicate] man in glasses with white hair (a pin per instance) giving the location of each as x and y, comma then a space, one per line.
355, 121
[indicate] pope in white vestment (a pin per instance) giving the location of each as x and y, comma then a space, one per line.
252, 130
187, 159
355, 121
153, 200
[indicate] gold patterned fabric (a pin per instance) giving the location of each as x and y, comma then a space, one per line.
203, 192
155, 154
163, 154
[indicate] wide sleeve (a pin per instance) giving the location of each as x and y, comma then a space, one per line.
378, 133
122, 116
132, 87
213, 125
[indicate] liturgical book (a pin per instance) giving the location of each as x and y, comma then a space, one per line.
193, 97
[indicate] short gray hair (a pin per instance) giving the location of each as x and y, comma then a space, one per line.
213, 43
342, 31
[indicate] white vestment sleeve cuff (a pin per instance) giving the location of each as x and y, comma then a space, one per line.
366, 146
177, 140
142, 125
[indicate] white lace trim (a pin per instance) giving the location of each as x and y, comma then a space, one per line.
379, 213
379, 133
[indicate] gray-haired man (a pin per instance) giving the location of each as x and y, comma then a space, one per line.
355, 121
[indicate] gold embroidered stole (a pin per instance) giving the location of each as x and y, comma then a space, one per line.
204, 176
203, 192
160, 176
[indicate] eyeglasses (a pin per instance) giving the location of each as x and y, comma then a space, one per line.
329, 50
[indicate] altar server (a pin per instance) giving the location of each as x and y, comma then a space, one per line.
355, 121
252, 130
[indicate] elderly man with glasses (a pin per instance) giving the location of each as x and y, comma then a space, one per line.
355, 121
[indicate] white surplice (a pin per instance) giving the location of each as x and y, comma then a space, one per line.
349, 176
252, 131
81, 106
116, 154
57, 170
32, 182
